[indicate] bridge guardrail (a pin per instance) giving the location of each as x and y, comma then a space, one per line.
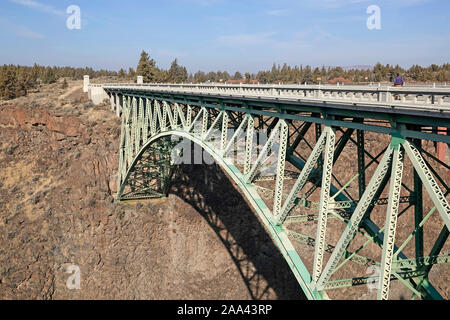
412, 95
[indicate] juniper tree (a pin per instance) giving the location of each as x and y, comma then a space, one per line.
177, 73
147, 68
49, 76
237, 76
8, 83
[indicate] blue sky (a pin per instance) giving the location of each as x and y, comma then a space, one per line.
245, 35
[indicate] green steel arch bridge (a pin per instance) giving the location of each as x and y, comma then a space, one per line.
351, 182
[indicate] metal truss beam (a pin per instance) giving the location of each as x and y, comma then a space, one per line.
324, 202
391, 223
344, 283
302, 179
235, 136
284, 133
144, 122
263, 154
249, 143
342, 113
353, 224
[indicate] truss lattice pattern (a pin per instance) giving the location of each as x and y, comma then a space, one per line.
349, 187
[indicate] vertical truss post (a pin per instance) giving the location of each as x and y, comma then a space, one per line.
140, 125
302, 179
134, 122
260, 127
391, 223
249, 143
429, 182
324, 203
134, 125
188, 116
418, 210
356, 218
141, 118
129, 131
116, 102
175, 116
121, 153
284, 134
204, 121
137, 128
361, 162
318, 128
223, 140
147, 120
157, 116
163, 123
153, 119
126, 115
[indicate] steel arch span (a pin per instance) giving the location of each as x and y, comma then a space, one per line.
341, 193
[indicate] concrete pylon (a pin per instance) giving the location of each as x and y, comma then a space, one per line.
441, 148
85, 83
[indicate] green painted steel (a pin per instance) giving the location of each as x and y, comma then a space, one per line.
146, 166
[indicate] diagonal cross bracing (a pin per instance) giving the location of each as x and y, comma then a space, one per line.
358, 214
146, 118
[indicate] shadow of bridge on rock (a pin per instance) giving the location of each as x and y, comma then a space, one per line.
262, 267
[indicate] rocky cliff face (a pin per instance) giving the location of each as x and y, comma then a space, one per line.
58, 156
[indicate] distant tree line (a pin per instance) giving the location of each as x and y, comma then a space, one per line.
16, 81
288, 74
307, 74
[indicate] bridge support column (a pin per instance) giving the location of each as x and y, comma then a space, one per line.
112, 100
391, 223
86, 83
284, 134
324, 203
119, 104
441, 147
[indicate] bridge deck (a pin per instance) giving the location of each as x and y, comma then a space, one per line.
319, 96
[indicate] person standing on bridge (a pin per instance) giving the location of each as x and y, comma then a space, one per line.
398, 82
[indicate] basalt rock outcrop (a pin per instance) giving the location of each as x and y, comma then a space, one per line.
58, 164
